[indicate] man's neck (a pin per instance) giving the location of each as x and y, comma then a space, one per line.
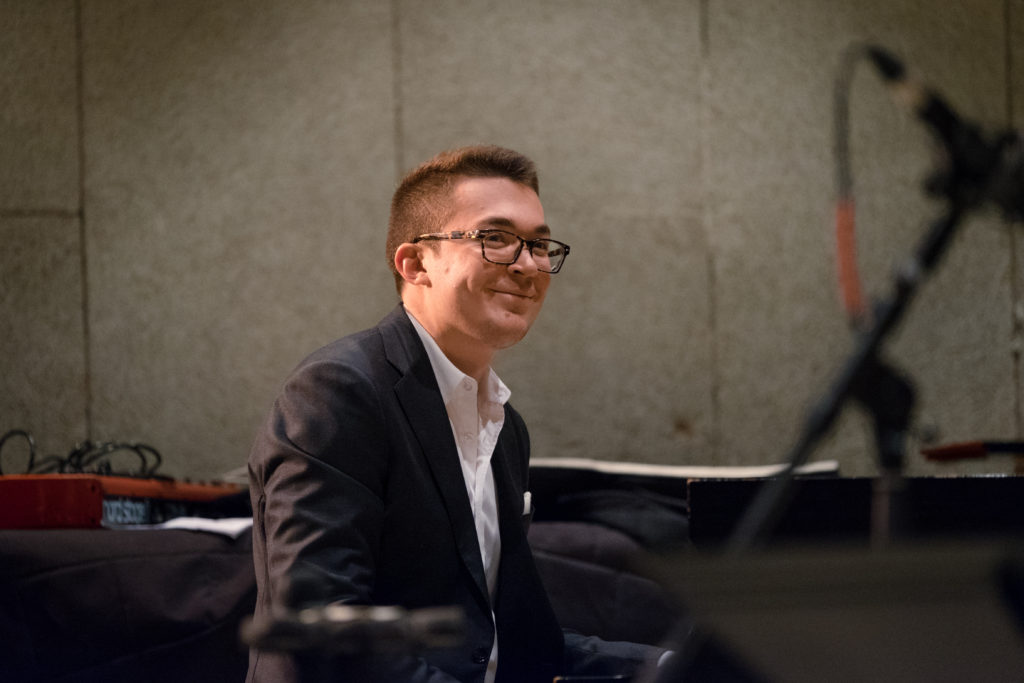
465, 354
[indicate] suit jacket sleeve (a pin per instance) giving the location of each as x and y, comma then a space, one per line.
319, 471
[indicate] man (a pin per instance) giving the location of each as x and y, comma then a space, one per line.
391, 469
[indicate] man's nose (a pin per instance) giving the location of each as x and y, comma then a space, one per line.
525, 261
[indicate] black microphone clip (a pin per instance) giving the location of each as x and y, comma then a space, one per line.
978, 168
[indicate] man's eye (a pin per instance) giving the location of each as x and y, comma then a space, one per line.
497, 239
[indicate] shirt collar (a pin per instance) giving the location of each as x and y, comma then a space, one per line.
449, 377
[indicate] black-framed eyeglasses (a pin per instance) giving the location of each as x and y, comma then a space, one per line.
503, 247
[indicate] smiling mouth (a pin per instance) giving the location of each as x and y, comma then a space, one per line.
515, 294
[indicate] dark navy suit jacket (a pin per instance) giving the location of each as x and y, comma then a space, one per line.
356, 482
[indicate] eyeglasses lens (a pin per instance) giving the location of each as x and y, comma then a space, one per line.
502, 247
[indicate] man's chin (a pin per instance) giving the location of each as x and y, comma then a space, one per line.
510, 329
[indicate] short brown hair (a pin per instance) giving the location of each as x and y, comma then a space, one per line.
421, 204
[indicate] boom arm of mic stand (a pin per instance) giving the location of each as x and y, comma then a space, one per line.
764, 512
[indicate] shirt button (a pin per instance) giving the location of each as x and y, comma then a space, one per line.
479, 656
467, 385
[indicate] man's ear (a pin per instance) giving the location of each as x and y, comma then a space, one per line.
409, 264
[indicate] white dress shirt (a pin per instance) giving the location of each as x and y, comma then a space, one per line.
476, 418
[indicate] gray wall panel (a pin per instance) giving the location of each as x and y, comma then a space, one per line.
38, 117
240, 164
782, 333
239, 159
42, 379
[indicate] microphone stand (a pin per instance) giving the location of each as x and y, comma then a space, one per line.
977, 171
873, 383
887, 396
881, 390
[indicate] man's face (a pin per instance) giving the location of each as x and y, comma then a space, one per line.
473, 304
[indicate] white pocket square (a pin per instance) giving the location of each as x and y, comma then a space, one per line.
527, 503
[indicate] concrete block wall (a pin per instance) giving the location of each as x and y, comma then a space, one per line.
194, 194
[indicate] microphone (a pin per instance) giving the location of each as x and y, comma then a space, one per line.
306, 621
981, 169
356, 630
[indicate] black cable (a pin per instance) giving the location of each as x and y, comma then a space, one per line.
89, 458
31, 447
841, 117
846, 238
96, 457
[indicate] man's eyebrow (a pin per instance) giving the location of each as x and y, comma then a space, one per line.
502, 222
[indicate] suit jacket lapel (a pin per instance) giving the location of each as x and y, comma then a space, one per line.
530, 642
420, 398
510, 501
